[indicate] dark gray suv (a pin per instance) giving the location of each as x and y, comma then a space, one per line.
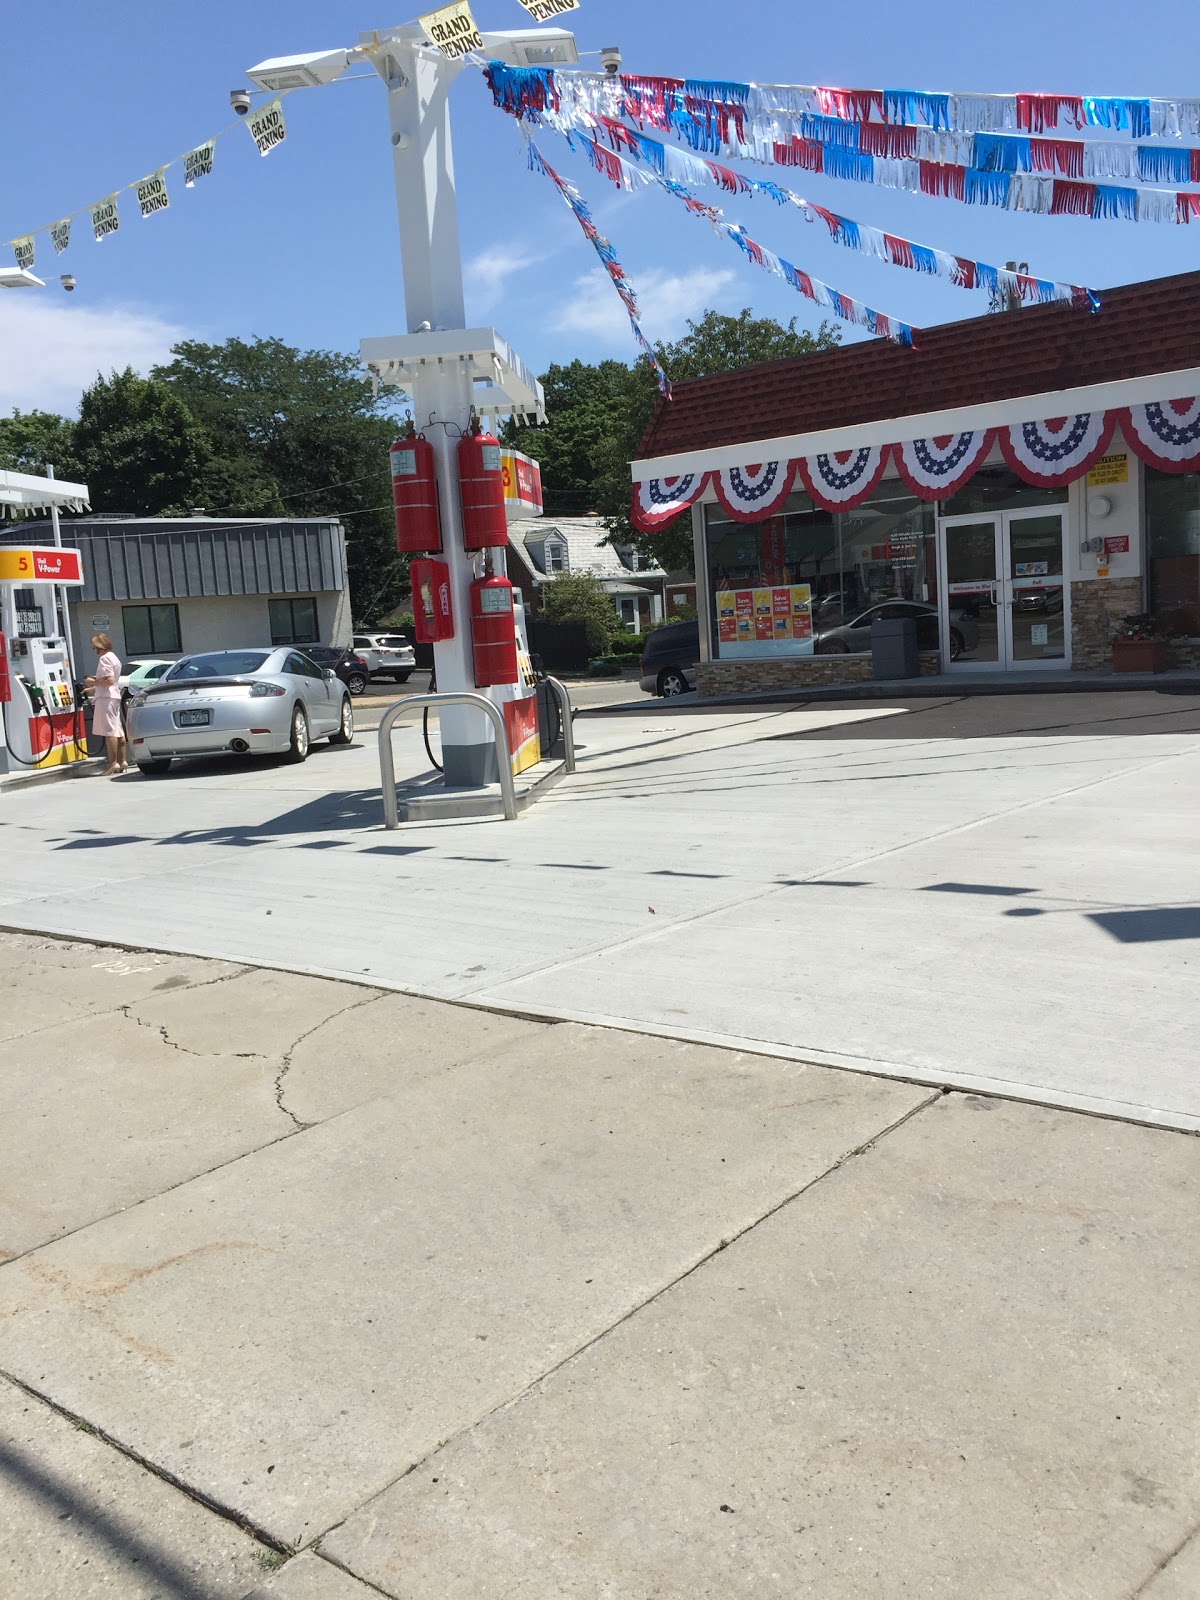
670, 659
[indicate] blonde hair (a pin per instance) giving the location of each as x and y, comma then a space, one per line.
102, 643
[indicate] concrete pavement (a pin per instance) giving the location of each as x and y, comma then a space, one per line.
464, 1304
993, 894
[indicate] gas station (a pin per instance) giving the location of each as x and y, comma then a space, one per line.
42, 709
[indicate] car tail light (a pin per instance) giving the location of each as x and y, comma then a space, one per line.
259, 691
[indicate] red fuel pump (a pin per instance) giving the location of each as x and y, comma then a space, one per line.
433, 611
414, 494
481, 492
5, 680
493, 632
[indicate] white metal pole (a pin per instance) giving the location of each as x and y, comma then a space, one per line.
418, 78
62, 600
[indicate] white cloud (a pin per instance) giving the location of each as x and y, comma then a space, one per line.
51, 348
666, 300
487, 274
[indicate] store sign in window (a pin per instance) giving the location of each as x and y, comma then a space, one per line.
746, 615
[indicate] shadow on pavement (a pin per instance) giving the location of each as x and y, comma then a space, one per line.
174, 1582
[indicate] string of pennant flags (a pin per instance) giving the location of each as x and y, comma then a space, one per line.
1017, 172
674, 169
266, 127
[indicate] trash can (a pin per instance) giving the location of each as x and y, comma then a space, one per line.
894, 648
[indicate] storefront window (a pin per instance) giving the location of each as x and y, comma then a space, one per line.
1173, 550
797, 583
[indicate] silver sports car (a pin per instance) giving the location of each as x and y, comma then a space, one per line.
238, 702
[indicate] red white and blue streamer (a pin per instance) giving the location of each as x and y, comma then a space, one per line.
936, 468
751, 493
608, 257
675, 169
843, 306
959, 150
843, 479
1059, 449
1165, 433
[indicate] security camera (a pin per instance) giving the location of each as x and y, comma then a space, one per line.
239, 99
68, 281
610, 60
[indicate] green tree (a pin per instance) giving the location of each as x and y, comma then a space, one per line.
297, 433
599, 414
580, 597
30, 441
140, 447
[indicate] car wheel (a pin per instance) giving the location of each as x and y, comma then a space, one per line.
830, 647
298, 747
403, 677
346, 727
672, 683
356, 683
956, 644
156, 768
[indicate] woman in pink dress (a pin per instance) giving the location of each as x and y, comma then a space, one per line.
106, 697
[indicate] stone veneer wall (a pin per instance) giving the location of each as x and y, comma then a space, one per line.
792, 672
1098, 607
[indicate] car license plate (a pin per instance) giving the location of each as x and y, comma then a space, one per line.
193, 719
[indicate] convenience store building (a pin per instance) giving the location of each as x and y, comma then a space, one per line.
1018, 484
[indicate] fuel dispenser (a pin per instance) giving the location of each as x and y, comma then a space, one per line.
42, 714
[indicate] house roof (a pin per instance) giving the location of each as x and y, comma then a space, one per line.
585, 551
1142, 329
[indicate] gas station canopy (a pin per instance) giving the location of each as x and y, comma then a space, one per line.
22, 491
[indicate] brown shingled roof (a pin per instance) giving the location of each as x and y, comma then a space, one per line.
1141, 329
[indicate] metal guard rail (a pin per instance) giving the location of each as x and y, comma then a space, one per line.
508, 789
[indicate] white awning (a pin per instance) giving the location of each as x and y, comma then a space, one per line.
22, 491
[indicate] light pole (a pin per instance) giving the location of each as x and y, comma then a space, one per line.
447, 368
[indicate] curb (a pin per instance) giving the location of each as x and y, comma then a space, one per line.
913, 689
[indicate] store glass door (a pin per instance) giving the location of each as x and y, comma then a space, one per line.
1006, 601
972, 562
1035, 590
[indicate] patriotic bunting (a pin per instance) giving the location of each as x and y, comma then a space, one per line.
1166, 433
1053, 452
657, 501
1059, 449
843, 480
751, 493
936, 468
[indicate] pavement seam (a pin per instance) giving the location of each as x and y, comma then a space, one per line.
1166, 1562
932, 1098
226, 1513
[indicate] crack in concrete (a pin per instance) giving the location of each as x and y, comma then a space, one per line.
285, 1065
204, 1055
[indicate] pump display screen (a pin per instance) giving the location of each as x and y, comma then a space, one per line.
30, 623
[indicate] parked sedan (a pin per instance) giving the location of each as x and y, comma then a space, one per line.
348, 664
238, 702
855, 635
388, 655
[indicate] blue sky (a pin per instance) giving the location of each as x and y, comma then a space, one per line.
303, 244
